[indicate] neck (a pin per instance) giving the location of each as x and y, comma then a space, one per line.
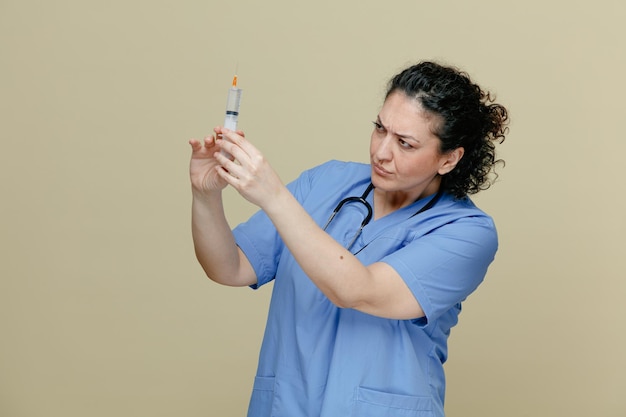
386, 202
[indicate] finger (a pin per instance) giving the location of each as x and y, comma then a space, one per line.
227, 132
233, 136
227, 160
227, 169
224, 174
221, 130
224, 157
196, 145
232, 149
209, 141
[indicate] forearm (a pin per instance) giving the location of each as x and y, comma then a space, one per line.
214, 242
317, 253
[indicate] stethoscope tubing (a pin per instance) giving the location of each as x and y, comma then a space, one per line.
370, 211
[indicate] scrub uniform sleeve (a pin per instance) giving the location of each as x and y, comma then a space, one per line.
261, 244
443, 267
259, 240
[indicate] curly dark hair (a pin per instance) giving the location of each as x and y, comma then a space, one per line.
469, 118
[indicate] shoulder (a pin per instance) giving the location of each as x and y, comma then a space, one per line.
331, 175
453, 219
453, 208
460, 219
335, 167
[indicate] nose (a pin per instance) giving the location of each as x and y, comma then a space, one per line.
383, 152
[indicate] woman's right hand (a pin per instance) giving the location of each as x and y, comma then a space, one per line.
202, 167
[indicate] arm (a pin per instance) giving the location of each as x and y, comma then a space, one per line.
213, 240
376, 289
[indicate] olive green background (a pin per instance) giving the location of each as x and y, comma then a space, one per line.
103, 308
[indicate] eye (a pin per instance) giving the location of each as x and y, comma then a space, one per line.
379, 127
405, 144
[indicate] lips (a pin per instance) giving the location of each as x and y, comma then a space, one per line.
380, 170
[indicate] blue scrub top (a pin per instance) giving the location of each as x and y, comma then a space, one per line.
320, 360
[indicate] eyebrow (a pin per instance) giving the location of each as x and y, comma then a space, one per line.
401, 136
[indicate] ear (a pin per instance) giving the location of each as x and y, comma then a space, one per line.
450, 159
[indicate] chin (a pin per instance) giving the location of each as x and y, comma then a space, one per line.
380, 183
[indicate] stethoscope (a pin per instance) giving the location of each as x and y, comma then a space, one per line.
370, 211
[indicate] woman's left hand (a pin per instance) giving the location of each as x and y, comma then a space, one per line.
248, 171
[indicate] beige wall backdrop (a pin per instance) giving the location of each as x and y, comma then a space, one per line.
103, 308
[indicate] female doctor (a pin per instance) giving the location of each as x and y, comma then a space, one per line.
370, 262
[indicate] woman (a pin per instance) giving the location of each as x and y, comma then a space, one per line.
366, 290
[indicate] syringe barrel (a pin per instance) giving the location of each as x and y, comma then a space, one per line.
232, 108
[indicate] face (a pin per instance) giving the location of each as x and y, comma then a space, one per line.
404, 152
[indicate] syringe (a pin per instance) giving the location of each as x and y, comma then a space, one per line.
232, 106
